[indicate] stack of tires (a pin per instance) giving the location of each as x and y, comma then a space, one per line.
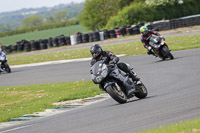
43, 43
85, 38
123, 30
14, 48
50, 42
79, 38
129, 30
55, 42
35, 45
67, 40
91, 38
106, 34
61, 40
96, 36
27, 46
118, 33
112, 34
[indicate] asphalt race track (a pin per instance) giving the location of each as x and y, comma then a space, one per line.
173, 86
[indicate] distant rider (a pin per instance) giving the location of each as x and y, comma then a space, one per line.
1, 53
144, 38
109, 58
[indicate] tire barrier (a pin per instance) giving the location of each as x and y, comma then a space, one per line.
27, 47
96, 36
43, 43
106, 34
123, 30
50, 42
78, 38
136, 31
61, 40
129, 30
55, 42
118, 33
112, 34
85, 38
14, 48
91, 38
67, 40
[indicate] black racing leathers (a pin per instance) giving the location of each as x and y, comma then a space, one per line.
145, 40
110, 58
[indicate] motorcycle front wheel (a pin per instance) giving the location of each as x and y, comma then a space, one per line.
141, 91
168, 53
116, 94
7, 68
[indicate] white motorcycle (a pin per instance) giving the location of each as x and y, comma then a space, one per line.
3, 63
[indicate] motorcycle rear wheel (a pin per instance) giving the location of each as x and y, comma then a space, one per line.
117, 95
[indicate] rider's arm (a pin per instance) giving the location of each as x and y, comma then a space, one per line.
155, 33
144, 43
113, 57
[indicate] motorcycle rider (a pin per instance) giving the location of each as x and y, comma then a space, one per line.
109, 58
145, 34
1, 53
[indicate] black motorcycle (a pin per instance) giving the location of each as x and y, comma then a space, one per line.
3, 64
116, 82
159, 47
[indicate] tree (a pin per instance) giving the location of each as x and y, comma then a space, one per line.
60, 16
32, 21
96, 13
50, 20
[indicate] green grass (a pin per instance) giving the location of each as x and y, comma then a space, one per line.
192, 126
44, 34
19, 100
133, 48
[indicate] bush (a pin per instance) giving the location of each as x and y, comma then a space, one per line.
140, 12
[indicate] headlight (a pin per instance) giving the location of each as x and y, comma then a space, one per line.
2, 58
104, 73
99, 78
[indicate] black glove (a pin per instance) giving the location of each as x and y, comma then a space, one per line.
104, 59
112, 62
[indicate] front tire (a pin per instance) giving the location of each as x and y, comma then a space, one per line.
141, 91
7, 68
167, 52
117, 95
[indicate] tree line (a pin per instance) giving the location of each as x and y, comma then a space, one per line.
108, 14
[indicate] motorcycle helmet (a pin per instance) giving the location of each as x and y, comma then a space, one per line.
96, 51
143, 30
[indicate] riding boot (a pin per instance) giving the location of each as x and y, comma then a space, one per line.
135, 78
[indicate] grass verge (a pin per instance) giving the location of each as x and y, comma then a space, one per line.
133, 48
19, 100
192, 126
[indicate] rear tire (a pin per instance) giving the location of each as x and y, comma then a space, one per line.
117, 95
141, 92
